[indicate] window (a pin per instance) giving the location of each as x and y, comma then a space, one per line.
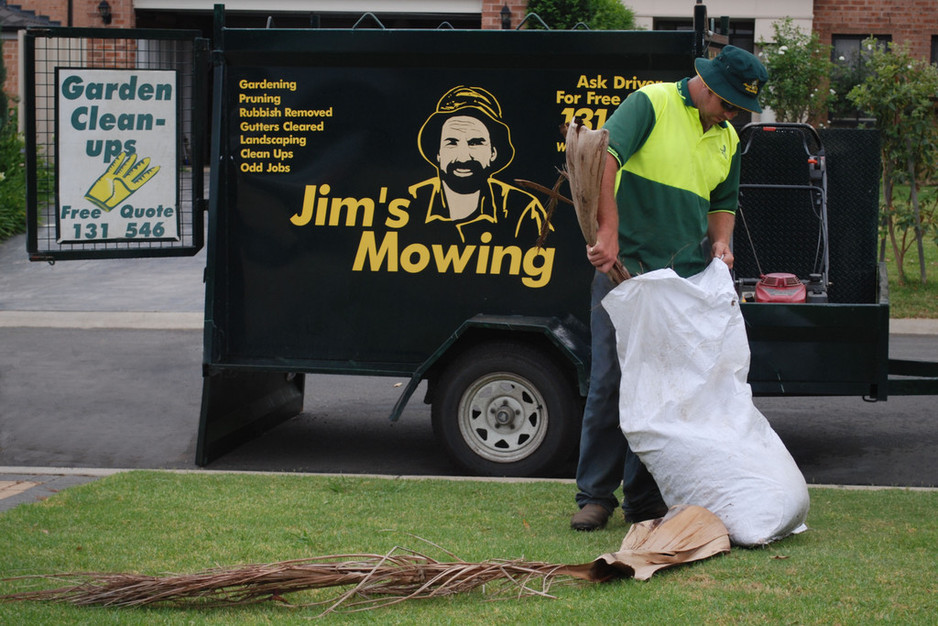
741, 32
849, 48
848, 56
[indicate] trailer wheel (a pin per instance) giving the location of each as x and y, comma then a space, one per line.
506, 409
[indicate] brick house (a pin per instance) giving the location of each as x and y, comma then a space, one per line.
842, 24
913, 22
13, 20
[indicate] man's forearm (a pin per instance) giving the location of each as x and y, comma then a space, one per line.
720, 231
605, 250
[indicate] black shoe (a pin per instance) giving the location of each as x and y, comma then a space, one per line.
642, 516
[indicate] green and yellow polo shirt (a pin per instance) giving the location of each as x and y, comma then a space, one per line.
671, 176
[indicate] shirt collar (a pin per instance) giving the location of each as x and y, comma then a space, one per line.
684, 90
438, 210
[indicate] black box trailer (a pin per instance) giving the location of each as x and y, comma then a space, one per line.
334, 248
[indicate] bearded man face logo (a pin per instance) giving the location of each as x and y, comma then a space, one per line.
466, 154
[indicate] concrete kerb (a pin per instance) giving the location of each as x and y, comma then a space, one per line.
104, 472
913, 327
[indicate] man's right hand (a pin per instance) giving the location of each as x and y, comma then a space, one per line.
605, 252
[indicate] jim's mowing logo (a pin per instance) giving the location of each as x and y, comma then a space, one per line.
116, 155
463, 219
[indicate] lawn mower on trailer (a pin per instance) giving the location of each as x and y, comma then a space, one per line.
782, 215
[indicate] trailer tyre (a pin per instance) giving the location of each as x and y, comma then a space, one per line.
506, 409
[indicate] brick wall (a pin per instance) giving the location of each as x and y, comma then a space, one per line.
912, 21
492, 12
84, 14
56, 10
10, 55
907, 21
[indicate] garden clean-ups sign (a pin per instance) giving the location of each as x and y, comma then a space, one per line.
117, 154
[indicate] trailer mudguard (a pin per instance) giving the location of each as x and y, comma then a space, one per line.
570, 339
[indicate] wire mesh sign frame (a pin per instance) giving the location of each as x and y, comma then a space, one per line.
114, 123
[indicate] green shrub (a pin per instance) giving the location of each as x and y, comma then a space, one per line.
597, 14
12, 180
610, 15
900, 93
798, 65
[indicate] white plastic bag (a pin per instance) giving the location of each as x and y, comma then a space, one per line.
686, 408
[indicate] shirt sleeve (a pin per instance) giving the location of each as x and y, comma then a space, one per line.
630, 125
725, 197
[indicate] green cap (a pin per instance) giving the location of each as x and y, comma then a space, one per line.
734, 75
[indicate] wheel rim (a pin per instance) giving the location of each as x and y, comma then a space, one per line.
502, 417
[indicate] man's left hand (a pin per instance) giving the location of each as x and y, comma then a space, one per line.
721, 250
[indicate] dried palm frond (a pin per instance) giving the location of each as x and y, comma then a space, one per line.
373, 580
586, 160
687, 533
553, 197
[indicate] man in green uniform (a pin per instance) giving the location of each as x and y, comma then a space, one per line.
671, 179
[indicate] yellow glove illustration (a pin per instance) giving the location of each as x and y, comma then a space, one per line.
120, 180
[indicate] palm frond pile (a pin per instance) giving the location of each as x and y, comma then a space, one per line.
373, 580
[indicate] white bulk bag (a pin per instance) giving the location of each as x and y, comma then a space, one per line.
686, 408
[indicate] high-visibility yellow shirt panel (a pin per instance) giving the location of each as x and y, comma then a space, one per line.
671, 176
677, 152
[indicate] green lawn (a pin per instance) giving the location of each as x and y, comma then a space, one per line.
869, 556
913, 299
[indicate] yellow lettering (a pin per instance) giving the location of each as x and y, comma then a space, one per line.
483, 259
320, 209
367, 249
422, 258
309, 197
322, 205
452, 257
538, 275
399, 216
351, 217
596, 98
534, 265
514, 255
